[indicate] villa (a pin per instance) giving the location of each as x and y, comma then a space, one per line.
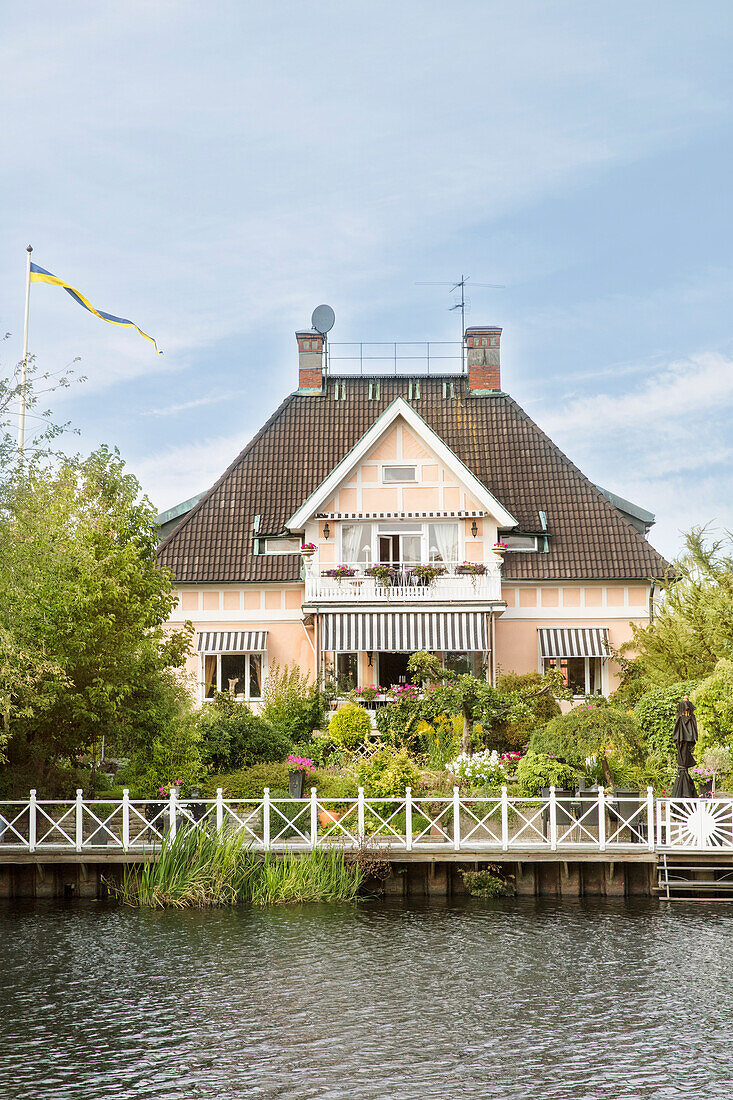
433, 514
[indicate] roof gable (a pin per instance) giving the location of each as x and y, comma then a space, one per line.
398, 408
308, 436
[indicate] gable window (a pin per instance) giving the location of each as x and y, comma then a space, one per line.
282, 546
399, 473
238, 674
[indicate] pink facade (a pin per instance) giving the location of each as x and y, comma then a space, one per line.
404, 490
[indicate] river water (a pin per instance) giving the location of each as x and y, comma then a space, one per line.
527, 999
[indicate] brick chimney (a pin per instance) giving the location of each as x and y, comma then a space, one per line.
482, 358
310, 361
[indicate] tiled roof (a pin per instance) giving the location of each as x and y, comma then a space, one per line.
302, 442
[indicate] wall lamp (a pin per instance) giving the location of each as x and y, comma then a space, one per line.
474, 528
326, 530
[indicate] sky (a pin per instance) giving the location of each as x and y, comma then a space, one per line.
215, 171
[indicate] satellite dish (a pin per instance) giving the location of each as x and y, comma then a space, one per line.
323, 319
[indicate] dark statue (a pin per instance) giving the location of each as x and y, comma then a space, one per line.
685, 736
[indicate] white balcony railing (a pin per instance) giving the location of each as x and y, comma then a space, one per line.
585, 822
353, 583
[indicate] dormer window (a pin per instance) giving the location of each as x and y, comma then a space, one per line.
399, 473
521, 543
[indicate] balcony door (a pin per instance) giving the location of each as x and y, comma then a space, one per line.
393, 668
400, 548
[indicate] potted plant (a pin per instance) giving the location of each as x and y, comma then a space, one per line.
472, 569
300, 766
500, 549
339, 572
307, 550
366, 694
381, 573
427, 573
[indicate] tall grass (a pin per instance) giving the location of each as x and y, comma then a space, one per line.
199, 869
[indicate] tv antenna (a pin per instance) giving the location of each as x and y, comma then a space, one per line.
463, 304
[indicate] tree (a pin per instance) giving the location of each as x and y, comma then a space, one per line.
591, 730
84, 650
713, 699
41, 430
693, 627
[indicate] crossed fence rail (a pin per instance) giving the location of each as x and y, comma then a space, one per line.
589, 821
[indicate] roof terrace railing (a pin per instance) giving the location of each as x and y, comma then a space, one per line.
399, 358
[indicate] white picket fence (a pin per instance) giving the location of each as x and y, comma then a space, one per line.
587, 822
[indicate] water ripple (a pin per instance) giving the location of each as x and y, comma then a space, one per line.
513, 1000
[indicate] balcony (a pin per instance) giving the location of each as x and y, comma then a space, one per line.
356, 583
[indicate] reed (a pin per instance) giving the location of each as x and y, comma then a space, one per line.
199, 869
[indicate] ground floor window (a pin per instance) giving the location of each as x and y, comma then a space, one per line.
583, 675
347, 671
465, 663
239, 674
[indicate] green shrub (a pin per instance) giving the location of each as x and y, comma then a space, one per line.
656, 713
441, 739
322, 750
291, 702
248, 782
713, 699
513, 736
350, 726
592, 734
232, 737
173, 754
489, 883
537, 771
387, 772
251, 782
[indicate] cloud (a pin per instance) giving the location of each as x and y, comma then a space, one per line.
669, 402
174, 474
184, 406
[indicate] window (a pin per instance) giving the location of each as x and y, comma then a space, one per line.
583, 675
356, 542
519, 542
464, 663
399, 473
346, 672
238, 674
443, 542
282, 546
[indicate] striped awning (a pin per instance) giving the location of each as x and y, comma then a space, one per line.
404, 631
574, 642
232, 641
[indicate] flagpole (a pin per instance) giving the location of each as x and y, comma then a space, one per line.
24, 362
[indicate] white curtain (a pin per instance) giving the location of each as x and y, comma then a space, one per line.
356, 542
443, 538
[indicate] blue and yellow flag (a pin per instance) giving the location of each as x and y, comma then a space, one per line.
40, 275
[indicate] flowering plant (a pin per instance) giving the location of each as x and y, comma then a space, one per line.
174, 786
428, 573
475, 568
300, 764
308, 546
404, 691
339, 572
366, 693
500, 546
381, 573
482, 767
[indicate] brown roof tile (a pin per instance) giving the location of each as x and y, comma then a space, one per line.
305, 438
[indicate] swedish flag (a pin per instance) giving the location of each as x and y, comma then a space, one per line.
40, 275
